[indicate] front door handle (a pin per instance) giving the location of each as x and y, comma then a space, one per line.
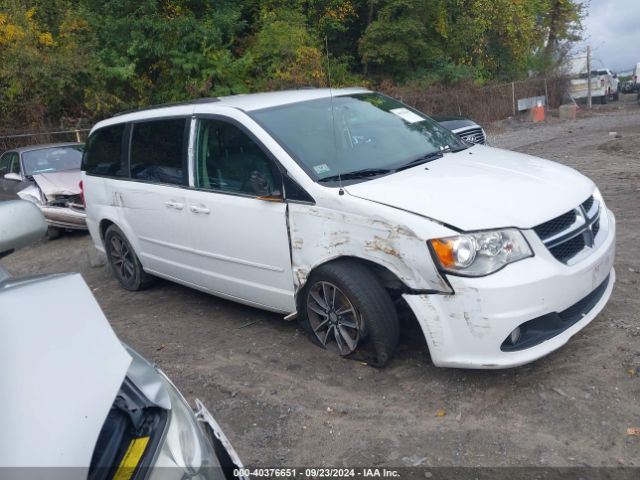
204, 210
176, 205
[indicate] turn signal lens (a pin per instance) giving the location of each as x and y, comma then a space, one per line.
444, 250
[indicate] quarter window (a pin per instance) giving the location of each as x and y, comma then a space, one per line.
230, 161
103, 154
157, 151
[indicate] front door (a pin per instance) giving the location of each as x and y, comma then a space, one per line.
240, 235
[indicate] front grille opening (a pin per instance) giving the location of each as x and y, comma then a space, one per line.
476, 133
548, 326
548, 229
588, 204
568, 249
596, 228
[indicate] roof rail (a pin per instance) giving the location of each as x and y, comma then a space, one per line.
195, 101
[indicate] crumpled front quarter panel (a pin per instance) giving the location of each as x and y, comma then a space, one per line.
320, 234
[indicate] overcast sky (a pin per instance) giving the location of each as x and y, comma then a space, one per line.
613, 30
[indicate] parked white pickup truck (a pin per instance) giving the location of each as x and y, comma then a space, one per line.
604, 86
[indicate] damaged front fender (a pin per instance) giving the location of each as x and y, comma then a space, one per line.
320, 234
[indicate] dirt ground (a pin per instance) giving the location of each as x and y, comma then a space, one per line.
284, 402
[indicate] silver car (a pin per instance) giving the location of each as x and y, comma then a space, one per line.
76, 402
49, 176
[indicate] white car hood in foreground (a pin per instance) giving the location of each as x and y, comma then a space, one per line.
61, 367
480, 188
65, 182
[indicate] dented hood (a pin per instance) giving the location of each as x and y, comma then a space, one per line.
480, 188
61, 367
65, 182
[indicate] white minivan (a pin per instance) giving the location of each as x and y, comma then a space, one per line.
346, 209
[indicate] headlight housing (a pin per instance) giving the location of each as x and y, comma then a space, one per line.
185, 448
476, 254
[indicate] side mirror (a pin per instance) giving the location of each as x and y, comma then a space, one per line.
21, 224
13, 176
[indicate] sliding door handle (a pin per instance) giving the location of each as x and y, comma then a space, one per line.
176, 205
204, 210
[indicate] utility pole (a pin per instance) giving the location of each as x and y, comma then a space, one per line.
588, 76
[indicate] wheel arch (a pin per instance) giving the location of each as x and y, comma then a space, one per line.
389, 279
103, 225
106, 222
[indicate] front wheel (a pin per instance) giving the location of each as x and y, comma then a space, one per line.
53, 233
124, 262
346, 310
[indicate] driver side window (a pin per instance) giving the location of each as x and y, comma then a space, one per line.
228, 160
9, 163
5, 160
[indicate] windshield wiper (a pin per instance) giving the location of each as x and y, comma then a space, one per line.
364, 173
428, 157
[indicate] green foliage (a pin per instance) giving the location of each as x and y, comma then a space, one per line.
43, 70
94, 57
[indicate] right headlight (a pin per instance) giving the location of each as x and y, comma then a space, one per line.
476, 254
186, 452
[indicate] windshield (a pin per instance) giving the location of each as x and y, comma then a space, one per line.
362, 132
52, 159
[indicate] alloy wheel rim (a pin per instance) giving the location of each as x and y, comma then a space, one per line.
335, 321
122, 258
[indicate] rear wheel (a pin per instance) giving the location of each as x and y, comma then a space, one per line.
346, 310
124, 262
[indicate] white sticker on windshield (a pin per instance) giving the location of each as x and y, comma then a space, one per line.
322, 168
407, 115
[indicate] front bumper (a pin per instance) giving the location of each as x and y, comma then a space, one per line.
64, 217
468, 328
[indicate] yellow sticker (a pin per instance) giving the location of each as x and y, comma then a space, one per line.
131, 458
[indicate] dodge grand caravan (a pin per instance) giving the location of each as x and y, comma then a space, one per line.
345, 207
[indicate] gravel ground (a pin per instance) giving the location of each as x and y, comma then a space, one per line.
284, 402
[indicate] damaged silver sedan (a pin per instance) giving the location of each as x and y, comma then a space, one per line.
49, 176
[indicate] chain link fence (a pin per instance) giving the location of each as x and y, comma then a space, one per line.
21, 138
482, 104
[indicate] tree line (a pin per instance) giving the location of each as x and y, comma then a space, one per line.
91, 58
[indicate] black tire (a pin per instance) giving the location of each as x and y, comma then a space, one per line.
124, 262
616, 96
53, 233
379, 326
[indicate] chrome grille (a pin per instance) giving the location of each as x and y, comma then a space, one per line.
558, 224
472, 135
570, 233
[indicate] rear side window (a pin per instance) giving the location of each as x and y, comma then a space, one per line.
157, 151
103, 153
